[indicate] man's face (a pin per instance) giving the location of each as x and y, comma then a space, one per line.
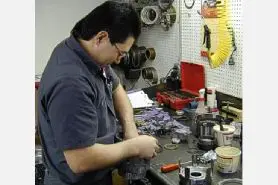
120, 50
107, 53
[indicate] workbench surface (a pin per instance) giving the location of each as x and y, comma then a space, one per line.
184, 152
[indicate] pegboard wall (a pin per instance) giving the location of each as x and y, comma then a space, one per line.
166, 45
227, 78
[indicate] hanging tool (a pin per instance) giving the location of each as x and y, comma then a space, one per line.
231, 59
206, 40
171, 167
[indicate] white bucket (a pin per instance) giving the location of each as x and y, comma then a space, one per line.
225, 137
227, 159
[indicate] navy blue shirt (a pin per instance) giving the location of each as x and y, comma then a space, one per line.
75, 110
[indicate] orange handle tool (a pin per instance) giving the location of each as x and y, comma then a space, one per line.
169, 167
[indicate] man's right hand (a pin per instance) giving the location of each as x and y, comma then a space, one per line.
146, 146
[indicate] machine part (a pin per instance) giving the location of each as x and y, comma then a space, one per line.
195, 175
134, 168
150, 15
168, 18
181, 134
173, 78
133, 74
143, 181
150, 53
179, 112
170, 146
150, 74
165, 4
204, 124
133, 61
234, 181
189, 3
39, 166
143, 2
140, 56
207, 143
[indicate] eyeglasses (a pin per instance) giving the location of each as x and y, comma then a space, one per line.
122, 53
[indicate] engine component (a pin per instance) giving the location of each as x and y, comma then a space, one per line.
171, 146
165, 4
150, 15
137, 56
143, 2
173, 80
230, 181
195, 175
150, 54
150, 74
133, 74
168, 18
134, 60
39, 167
134, 168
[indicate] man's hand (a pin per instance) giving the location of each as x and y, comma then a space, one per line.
146, 146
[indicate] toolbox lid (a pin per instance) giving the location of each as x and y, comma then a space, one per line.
192, 77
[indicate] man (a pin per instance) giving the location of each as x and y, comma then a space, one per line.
79, 98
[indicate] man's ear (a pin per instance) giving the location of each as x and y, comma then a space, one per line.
102, 36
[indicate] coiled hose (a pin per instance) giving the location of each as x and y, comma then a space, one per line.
224, 46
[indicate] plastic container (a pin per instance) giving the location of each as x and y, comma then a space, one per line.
227, 159
225, 137
211, 97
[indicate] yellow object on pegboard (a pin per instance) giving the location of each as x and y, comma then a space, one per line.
216, 18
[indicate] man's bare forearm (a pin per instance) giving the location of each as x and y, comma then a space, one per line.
99, 156
124, 111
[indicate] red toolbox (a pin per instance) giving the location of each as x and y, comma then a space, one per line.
192, 80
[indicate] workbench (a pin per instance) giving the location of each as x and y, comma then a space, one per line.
184, 152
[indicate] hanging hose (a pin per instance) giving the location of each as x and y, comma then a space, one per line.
224, 46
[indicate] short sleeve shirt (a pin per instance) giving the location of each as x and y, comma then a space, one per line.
75, 109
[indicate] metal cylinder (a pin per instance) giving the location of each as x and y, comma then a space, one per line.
150, 14
150, 54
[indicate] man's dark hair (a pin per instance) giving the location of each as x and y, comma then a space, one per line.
120, 20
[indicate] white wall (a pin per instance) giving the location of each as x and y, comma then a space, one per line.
54, 21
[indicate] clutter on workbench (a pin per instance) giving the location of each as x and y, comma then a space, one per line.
211, 96
195, 174
238, 126
157, 122
229, 111
171, 146
173, 78
234, 181
192, 80
228, 159
204, 130
224, 136
139, 99
134, 168
208, 156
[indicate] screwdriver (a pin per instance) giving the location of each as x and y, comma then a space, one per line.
171, 167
